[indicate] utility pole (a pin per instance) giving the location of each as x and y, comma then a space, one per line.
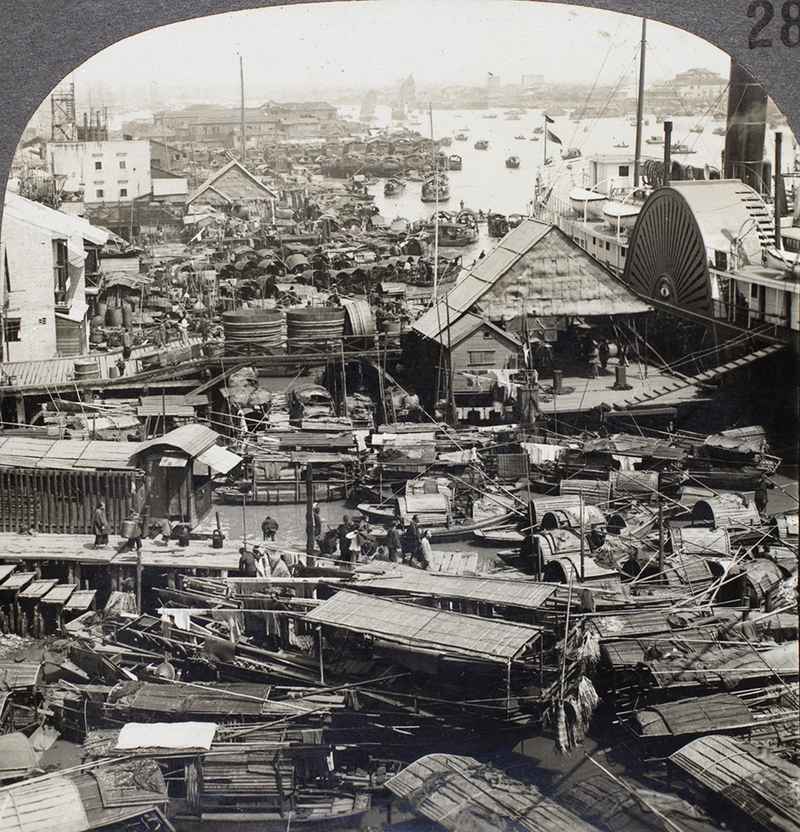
637, 159
310, 513
243, 158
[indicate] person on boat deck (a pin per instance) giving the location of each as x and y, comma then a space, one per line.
317, 523
425, 551
262, 570
327, 545
342, 531
604, 352
269, 528
594, 359
278, 567
247, 563
100, 525
412, 538
760, 496
393, 543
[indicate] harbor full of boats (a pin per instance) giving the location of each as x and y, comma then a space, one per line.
373, 499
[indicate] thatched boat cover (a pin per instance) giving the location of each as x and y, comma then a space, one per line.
425, 628
462, 793
762, 785
85, 800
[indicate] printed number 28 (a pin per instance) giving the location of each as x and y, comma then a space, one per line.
764, 11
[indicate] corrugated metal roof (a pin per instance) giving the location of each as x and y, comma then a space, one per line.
462, 793
19, 675
54, 372
80, 600
424, 628
38, 589
24, 452
543, 272
5, 570
481, 277
465, 326
758, 782
59, 594
524, 594
17, 580
219, 459
191, 439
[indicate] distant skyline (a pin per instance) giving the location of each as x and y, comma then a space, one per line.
333, 46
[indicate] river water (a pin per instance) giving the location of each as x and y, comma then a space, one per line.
485, 183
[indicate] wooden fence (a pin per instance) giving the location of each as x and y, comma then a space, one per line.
64, 501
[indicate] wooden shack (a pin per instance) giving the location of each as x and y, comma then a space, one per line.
178, 468
55, 485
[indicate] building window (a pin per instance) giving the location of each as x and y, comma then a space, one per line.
60, 270
122, 164
594, 241
608, 246
11, 329
624, 170
98, 165
624, 251
123, 192
754, 290
99, 193
481, 358
721, 260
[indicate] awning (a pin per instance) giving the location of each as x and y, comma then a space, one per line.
77, 312
219, 459
75, 254
172, 462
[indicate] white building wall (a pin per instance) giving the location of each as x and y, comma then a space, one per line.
109, 171
29, 251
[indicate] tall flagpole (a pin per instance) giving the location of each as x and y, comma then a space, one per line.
545, 139
241, 110
637, 157
436, 209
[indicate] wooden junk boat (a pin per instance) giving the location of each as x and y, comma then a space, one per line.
482, 144
393, 187
432, 501
454, 162
436, 188
512, 163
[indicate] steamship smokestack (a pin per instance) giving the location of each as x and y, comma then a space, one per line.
747, 122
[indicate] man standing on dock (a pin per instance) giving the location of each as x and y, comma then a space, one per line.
342, 533
100, 526
393, 542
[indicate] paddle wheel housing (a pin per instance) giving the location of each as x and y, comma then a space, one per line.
667, 258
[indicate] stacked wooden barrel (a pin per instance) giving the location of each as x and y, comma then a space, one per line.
252, 331
314, 327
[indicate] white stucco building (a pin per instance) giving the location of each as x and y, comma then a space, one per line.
105, 171
43, 258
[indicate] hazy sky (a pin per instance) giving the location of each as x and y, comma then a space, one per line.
374, 43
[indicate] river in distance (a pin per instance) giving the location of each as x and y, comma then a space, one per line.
485, 183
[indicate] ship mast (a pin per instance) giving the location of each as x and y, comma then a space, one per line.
436, 209
637, 159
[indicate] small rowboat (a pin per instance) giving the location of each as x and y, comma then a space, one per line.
502, 536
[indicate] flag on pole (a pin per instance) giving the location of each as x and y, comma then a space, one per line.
553, 138
548, 120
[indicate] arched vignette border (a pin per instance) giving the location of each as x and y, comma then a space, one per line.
42, 41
